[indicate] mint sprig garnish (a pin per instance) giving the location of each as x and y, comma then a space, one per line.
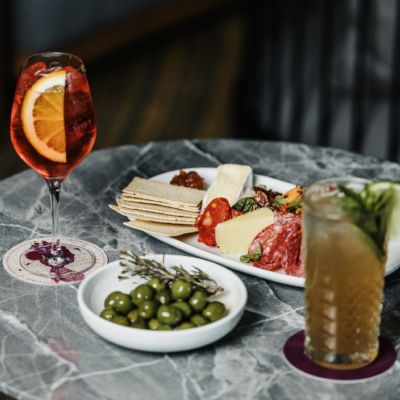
370, 210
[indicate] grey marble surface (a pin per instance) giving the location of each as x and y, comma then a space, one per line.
47, 351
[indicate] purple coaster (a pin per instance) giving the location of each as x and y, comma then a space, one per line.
297, 359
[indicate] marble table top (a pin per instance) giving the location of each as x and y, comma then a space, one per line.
48, 352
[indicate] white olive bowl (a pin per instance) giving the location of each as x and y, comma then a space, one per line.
94, 289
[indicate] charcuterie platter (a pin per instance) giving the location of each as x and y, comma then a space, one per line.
255, 229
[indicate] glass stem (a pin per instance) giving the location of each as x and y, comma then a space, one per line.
55, 188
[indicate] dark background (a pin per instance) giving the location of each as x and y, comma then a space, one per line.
322, 72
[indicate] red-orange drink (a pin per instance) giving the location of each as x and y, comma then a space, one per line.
53, 129
77, 114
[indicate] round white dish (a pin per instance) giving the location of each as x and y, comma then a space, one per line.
96, 287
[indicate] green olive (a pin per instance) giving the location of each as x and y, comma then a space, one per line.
138, 324
120, 320
164, 296
184, 307
133, 316
198, 320
165, 328
181, 290
214, 311
198, 300
156, 284
154, 324
123, 304
111, 299
140, 293
148, 309
108, 314
186, 325
169, 315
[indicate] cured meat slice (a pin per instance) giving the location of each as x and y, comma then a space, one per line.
291, 262
216, 212
280, 245
267, 241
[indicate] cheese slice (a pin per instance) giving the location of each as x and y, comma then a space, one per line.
231, 182
235, 236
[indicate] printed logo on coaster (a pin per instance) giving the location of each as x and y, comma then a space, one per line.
28, 261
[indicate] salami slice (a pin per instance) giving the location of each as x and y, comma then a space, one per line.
280, 244
267, 240
216, 212
291, 262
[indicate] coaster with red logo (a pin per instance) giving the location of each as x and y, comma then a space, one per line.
28, 261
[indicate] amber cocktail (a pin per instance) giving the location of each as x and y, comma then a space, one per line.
344, 250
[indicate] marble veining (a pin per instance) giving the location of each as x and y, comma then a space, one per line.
48, 352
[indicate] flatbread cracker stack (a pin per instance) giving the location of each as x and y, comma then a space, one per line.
169, 219
161, 229
127, 206
127, 198
175, 196
159, 208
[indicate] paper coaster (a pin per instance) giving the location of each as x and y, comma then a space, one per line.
297, 359
17, 265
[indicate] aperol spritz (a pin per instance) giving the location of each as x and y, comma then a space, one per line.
53, 129
52, 121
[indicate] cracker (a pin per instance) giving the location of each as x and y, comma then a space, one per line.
117, 209
129, 199
161, 229
169, 219
164, 192
156, 208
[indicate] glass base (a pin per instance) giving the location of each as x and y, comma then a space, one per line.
339, 361
295, 356
74, 260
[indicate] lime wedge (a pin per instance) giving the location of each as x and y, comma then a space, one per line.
393, 229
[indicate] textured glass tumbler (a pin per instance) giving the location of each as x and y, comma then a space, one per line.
344, 281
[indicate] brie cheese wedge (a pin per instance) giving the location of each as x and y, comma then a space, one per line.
231, 182
235, 235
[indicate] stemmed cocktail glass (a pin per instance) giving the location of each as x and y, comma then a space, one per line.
53, 129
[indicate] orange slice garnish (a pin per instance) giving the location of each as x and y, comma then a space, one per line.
42, 115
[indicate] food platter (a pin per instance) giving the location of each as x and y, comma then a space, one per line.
189, 243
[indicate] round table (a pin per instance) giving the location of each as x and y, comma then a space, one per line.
47, 350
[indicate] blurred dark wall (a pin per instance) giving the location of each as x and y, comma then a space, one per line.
324, 72
41, 25
156, 67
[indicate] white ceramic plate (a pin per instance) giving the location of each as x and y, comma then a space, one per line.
94, 289
190, 244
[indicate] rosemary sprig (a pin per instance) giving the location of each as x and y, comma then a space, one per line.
370, 210
146, 268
